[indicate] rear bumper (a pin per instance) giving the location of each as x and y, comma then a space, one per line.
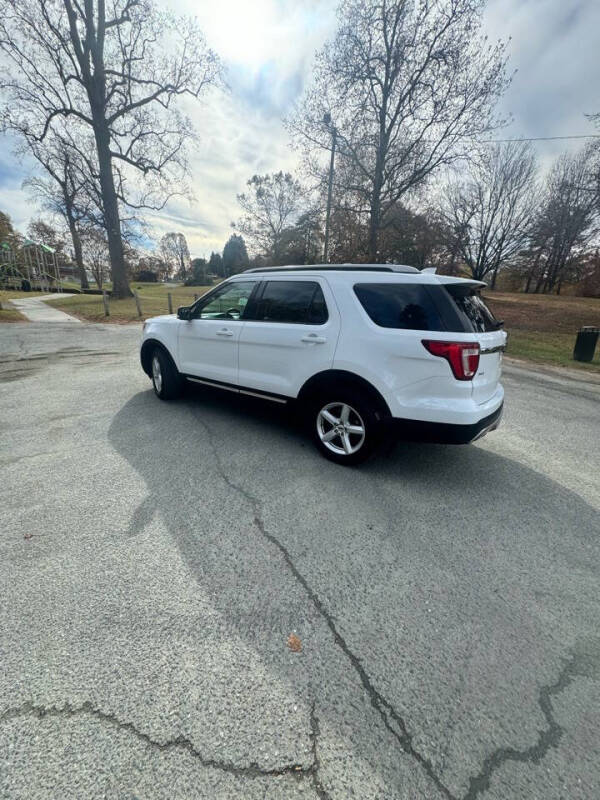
445, 433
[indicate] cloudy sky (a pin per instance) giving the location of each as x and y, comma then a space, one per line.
267, 47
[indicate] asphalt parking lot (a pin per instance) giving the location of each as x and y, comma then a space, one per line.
156, 557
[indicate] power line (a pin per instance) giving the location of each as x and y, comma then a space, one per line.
547, 138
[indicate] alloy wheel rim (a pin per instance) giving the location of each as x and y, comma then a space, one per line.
341, 428
157, 375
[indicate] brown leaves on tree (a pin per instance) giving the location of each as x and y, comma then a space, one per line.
294, 643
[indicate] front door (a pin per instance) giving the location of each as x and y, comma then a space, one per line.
208, 343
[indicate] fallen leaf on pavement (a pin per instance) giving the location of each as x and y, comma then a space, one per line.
294, 643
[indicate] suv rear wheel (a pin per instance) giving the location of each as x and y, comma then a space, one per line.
166, 380
344, 426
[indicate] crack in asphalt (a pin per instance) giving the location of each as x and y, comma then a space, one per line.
385, 709
179, 743
547, 738
392, 720
316, 764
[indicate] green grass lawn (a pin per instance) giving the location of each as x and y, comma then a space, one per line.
543, 328
10, 315
153, 300
556, 349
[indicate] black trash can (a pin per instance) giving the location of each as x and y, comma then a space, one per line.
585, 344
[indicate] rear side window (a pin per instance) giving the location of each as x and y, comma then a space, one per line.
409, 306
472, 310
292, 301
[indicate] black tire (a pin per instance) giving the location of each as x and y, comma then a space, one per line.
166, 380
348, 447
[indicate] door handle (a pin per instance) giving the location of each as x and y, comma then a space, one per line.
224, 332
312, 338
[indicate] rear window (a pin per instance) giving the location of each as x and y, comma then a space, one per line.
292, 301
472, 310
409, 306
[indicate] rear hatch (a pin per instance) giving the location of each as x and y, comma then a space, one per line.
476, 317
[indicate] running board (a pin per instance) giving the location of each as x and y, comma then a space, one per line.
237, 390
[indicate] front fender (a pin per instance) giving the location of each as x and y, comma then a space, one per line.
162, 332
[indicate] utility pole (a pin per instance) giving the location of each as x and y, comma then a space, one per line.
327, 121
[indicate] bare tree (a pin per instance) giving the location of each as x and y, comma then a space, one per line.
489, 210
113, 70
64, 192
95, 252
408, 87
175, 252
595, 156
42, 232
272, 203
566, 222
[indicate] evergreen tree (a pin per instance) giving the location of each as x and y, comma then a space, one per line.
215, 264
198, 276
235, 255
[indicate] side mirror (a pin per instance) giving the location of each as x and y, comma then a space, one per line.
184, 312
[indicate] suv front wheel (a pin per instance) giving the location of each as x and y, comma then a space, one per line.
344, 427
166, 380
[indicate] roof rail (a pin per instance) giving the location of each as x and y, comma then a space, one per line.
338, 268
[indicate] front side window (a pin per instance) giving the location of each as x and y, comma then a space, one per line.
300, 302
408, 306
227, 302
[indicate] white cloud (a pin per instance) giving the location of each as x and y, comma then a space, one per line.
267, 47
554, 49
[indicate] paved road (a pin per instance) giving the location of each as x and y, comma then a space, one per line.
156, 557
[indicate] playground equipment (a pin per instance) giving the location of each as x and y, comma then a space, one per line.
32, 266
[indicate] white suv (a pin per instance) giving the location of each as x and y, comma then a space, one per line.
356, 347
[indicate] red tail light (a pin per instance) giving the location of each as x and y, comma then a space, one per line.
463, 357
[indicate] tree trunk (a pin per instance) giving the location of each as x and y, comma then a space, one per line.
374, 223
539, 283
76, 239
112, 221
375, 215
494, 276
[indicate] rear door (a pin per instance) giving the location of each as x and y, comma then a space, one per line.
292, 336
478, 318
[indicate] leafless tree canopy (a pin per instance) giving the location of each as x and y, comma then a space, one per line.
95, 253
272, 203
566, 222
113, 70
489, 210
408, 87
175, 253
64, 189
